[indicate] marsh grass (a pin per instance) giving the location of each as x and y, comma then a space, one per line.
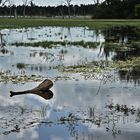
3, 51
92, 67
130, 64
93, 24
102, 66
21, 65
43, 111
51, 44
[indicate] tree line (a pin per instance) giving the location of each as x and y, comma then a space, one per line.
121, 9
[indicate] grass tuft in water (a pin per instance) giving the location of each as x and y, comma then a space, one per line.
20, 65
4, 51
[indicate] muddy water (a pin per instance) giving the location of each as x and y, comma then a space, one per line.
80, 108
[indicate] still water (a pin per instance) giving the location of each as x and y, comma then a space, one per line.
81, 108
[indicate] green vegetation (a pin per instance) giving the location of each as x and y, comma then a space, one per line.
93, 67
104, 23
130, 64
102, 66
107, 45
3, 51
5, 78
137, 10
20, 65
50, 44
122, 47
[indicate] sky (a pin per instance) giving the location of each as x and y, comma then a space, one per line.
53, 2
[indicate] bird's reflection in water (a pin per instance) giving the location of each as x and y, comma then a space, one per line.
47, 94
42, 90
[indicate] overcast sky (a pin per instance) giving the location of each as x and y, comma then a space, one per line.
53, 2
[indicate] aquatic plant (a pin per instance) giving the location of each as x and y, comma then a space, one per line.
103, 65
43, 111
132, 63
111, 46
15, 79
51, 44
92, 67
20, 65
3, 51
123, 109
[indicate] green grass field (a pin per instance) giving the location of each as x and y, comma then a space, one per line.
102, 23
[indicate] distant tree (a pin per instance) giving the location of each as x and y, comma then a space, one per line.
15, 11
25, 3
10, 4
68, 3
61, 9
24, 7
137, 10
98, 9
32, 5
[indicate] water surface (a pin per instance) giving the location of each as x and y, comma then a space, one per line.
81, 108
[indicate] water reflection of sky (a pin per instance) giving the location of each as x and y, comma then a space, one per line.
51, 34
69, 95
39, 60
74, 97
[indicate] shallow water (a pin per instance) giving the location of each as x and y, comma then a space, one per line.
51, 34
81, 108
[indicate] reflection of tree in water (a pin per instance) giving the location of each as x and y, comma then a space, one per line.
104, 51
45, 56
3, 44
2, 41
119, 55
124, 36
130, 76
64, 35
30, 34
72, 129
62, 54
124, 55
133, 73
111, 119
69, 32
121, 34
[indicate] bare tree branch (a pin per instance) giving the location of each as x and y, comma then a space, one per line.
2, 3
97, 2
